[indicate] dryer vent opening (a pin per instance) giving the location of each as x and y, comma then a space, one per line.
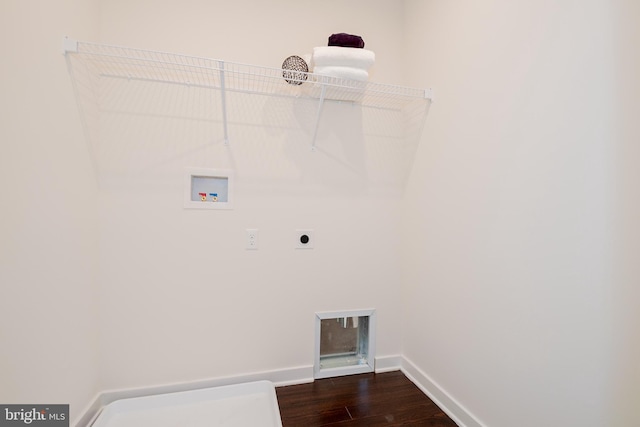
344, 343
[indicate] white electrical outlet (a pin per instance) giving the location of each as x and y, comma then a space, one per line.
252, 238
304, 239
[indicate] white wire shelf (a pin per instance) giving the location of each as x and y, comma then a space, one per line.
117, 62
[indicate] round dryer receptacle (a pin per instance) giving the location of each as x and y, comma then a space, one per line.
304, 238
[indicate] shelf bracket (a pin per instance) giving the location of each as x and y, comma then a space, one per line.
428, 94
69, 45
224, 103
318, 114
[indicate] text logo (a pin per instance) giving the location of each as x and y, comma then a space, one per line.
34, 415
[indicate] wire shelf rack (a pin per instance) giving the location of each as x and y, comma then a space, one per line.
117, 62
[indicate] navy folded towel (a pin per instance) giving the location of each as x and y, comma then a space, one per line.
346, 40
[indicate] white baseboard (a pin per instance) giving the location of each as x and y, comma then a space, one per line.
279, 377
456, 411
298, 375
388, 363
89, 413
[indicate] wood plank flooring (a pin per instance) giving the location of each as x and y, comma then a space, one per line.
387, 399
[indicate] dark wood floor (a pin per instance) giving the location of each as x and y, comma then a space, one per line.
387, 399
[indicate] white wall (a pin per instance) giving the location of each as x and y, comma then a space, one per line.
181, 299
627, 268
48, 234
508, 219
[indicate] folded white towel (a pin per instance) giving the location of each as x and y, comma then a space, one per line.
343, 73
326, 56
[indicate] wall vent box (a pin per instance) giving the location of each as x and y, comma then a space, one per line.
345, 343
208, 189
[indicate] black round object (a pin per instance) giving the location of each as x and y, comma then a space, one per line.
304, 239
346, 40
294, 70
